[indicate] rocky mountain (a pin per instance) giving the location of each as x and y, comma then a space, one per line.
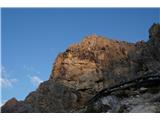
100, 75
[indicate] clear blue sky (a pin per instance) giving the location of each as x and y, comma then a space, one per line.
32, 38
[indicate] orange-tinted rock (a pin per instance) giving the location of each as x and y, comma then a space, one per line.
14, 106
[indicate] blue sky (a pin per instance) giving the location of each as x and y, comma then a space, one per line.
32, 38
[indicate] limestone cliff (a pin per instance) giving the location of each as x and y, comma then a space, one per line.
86, 68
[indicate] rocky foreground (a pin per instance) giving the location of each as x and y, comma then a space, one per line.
100, 75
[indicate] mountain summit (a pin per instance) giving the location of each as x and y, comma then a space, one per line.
100, 75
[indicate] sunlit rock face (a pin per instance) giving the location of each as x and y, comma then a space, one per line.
92, 65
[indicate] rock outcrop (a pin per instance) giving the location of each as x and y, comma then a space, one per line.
94, 64
15, 106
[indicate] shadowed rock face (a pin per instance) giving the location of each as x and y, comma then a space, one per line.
14, 106
90, 66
